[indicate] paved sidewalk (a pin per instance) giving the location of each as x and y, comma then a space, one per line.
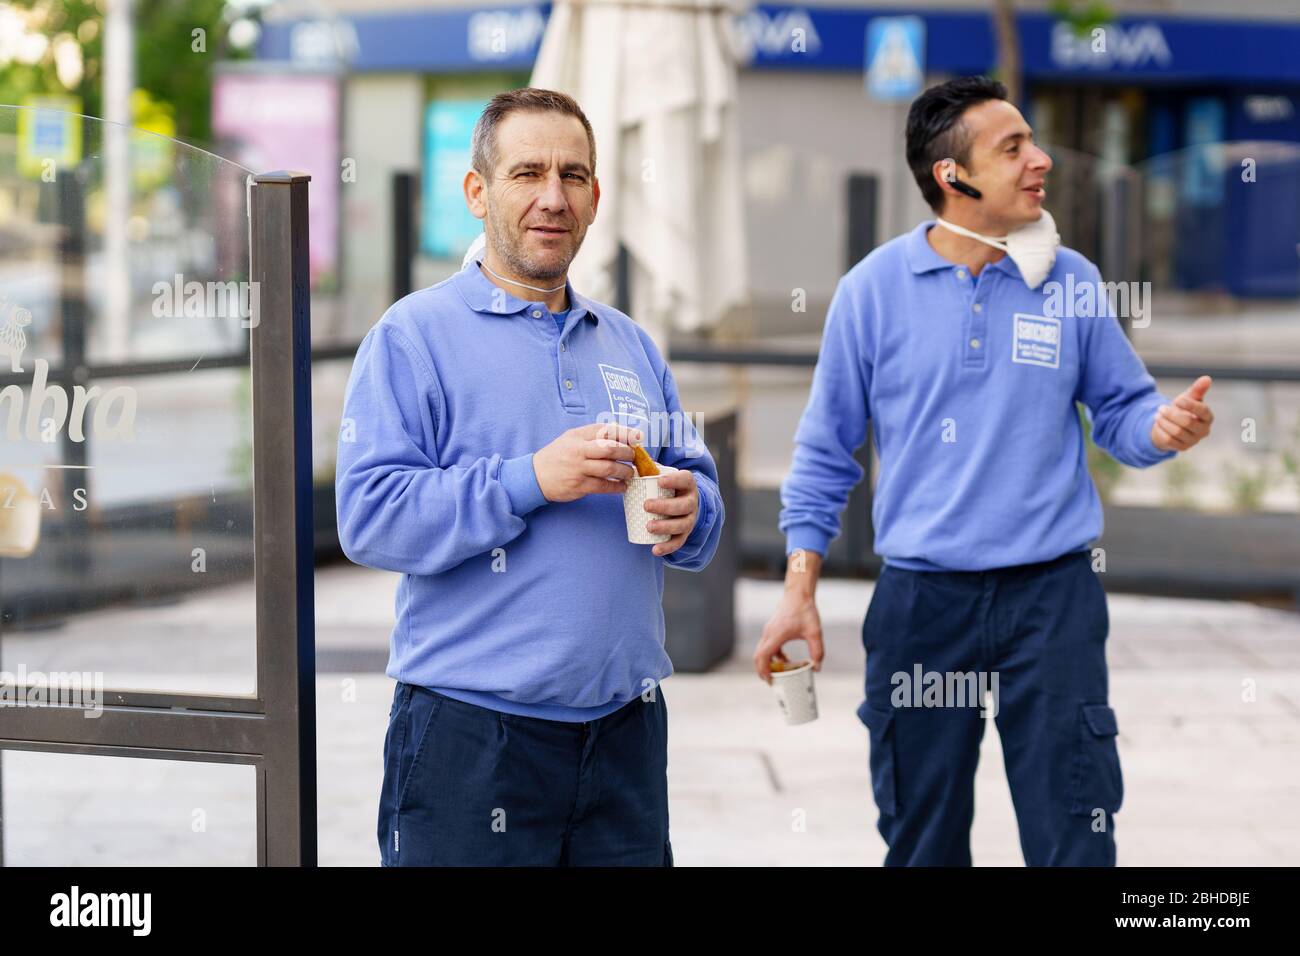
1209, 779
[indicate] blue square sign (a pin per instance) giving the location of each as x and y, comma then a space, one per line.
895, 57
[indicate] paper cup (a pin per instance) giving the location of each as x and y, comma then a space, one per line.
638, 491
795, 693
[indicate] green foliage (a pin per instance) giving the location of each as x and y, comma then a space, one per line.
1291, 457
1247, 485
56, 18
239, 459
1180, 476
1106, 471
1082, 15
166, 65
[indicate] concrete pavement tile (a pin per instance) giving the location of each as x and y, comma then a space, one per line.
1209, 779
1173, 846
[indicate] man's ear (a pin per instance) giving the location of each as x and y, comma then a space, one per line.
595, 197
945, 173
474, 201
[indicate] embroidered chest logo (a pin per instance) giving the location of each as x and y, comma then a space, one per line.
1036, 341
627, 401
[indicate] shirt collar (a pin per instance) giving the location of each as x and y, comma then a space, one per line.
482, 295
922, 257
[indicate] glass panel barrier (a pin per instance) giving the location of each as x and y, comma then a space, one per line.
69, 809
125, 407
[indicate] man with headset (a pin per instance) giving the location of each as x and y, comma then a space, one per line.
955, 340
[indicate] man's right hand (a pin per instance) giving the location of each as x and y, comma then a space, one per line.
796, 618
590, 460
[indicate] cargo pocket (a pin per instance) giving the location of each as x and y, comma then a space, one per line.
880, 723
1098, 783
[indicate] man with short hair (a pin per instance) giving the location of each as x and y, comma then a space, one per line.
956, 341
493, 416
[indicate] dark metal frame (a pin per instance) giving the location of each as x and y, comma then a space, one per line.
273, 730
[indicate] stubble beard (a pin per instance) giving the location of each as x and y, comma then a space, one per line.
507, 247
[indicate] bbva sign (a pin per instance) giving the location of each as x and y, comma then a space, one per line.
1135, 45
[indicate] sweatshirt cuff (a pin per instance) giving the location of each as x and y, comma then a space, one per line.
520, 482
703, 518
807, 537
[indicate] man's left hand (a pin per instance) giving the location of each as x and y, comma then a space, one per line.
680, 512
1180, 426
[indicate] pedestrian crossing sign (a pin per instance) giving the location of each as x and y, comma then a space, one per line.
895, 57
49, 135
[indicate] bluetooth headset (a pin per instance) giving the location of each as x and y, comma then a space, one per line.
965, 188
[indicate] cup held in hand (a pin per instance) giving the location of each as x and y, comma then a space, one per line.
795, 693
639, 490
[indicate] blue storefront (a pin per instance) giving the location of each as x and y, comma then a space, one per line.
1169, 84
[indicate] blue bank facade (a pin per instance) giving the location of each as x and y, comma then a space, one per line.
1154, 93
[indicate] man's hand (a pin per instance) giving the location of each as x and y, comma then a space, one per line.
796, 618
590, 460
680, 512
1186, 422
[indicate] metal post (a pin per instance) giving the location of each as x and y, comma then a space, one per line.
623, 280
1117, 200
281, 369
403, 233
864, 218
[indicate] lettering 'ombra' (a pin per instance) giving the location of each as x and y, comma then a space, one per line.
48, 410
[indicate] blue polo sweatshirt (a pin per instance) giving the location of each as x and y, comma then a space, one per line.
970, 384
507, 600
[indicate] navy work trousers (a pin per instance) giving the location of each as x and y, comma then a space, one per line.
1035, 635
469, 786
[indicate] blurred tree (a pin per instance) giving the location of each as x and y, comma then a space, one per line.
174, 63
51, 47
177, 42
1082, 16
1008, 45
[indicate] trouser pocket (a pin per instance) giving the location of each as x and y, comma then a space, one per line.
1097, 781
404, 748
880, 724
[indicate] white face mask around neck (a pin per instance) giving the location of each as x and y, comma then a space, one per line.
1032, 247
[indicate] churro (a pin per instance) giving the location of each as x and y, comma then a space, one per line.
645, 465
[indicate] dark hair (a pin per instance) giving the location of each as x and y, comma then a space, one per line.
483, 145
935, 131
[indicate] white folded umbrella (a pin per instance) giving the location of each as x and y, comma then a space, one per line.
657, 79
